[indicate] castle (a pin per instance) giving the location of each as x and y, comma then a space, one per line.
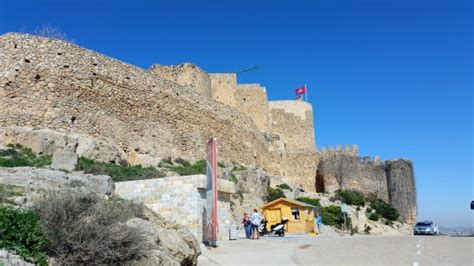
165, 111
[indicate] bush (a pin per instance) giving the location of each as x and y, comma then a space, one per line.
284, 186
238, 167
21, 232
274, 193
17, 156
368, 210
331, 215
233, 178
367, 229
165, 162
182, 161
351, 197
51, 32
374, 217
384, 209
118, 172
85, 229
190, 169
312, 201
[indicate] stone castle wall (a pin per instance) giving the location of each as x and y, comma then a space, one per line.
172, 111
392, 181
401, 188
252, 100
188, 75
223, 86
292, 121
46, 83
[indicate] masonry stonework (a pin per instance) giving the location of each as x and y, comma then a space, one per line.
292, 121
187, 75
47, 83
223, 86
392, 181
252, 100
181, 199
172, 111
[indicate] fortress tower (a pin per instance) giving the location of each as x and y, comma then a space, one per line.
187, 74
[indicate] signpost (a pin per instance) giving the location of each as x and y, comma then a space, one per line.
210, 234
344, 213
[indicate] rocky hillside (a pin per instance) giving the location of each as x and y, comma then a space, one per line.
80, 218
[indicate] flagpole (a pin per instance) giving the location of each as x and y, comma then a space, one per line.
306, 92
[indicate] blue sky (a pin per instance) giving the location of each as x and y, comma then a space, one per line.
393, 76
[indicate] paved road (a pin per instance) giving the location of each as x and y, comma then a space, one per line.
360, 250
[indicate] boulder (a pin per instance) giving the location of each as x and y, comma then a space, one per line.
64, 160
10, 258
100, 151
171, 243
41, 141
46, 179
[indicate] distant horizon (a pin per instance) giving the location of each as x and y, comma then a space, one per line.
393, 77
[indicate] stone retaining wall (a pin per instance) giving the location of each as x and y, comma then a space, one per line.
181, 199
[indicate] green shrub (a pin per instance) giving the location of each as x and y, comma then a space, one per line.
233, 178
374, 217
21, 232
221, 164
367, 229
84, 229
284, 186
238, 168
368, 210
358, 208
17, 156
191, 169
388, 222
165, 162
274, 193
118, 172
312, 201
182, 161
384, 209
331, 215
351, 197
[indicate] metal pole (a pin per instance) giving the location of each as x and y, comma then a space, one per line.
306, 92
345, 226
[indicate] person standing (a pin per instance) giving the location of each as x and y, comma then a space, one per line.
255, 219
319, 221
247, 225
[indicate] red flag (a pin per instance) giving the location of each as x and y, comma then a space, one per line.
301, 90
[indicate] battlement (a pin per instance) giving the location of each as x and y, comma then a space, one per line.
340, 150
187, 74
